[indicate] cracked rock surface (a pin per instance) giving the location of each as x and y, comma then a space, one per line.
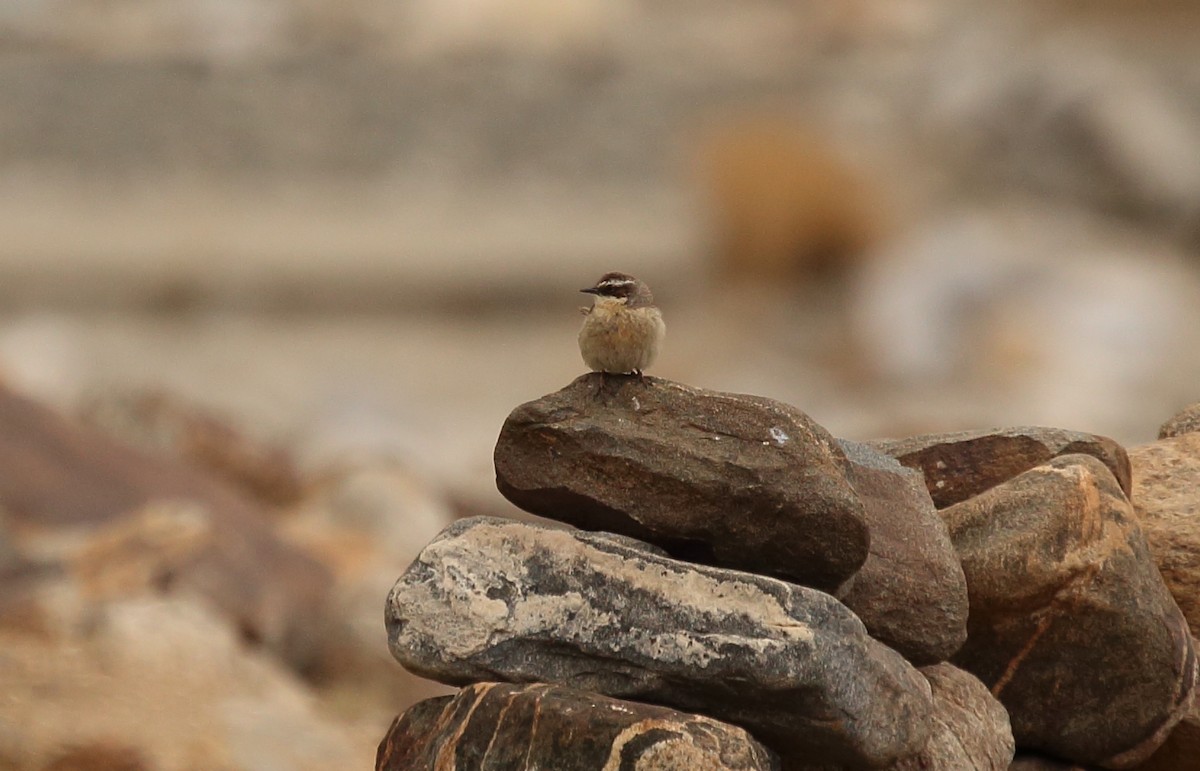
492, 599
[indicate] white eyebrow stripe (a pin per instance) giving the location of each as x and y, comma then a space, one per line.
617, 282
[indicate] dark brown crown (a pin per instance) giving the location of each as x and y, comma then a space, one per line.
623, 286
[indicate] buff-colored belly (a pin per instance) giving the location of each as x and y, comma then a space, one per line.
620, 339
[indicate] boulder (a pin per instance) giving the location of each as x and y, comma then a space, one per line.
1166, 497
365, 522
502, 727
151, 684
1181, 750
970, 727
493, 599
961, 464
910, 593
60, 481
1186, 421
1071, 626
161, 423
726, 479
1038, 763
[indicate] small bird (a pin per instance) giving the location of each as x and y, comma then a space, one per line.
623, 329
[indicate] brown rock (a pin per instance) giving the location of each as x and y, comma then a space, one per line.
1182, 748
99, 757
910, 593
493, 599
970, 727
59, 481
500, 727
965, 463
738, 481
1166, 496
1185, 422
1036, 763
159, 423
1071, 625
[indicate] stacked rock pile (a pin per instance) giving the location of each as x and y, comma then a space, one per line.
745, 591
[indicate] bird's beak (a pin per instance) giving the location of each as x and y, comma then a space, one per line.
593, 290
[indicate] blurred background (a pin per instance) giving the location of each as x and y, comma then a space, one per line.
273, 272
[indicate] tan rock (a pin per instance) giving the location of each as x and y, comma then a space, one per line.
1187, 421
1166, 496
366, 523
170, 682
970, 727
1071, 626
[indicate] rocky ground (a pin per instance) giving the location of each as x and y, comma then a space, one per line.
972, 600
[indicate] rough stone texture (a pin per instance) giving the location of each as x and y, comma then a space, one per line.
366, 523
59, 480
501, 727
910, 593
1166, 496
965, 463
738, 481
171, 681
158, 422
493, 599
1186, 421
970, 727
1037, 763
1071, 626
1181, 750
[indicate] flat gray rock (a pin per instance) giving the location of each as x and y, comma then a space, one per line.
726, 479
492, 599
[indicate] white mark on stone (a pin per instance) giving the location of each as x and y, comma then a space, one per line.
940, 464
779, 435
940, 484
637, 406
